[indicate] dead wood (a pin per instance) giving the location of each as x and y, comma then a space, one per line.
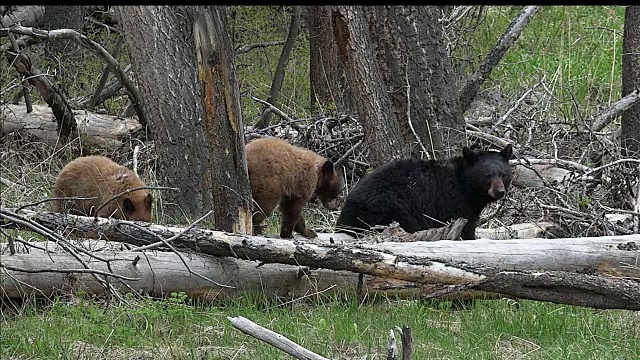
25, 15
66, 124
598, 271
94, 129
273, 338
82, 40
470, 89
604, 118
47, 269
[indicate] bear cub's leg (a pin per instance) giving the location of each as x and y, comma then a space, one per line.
292, 219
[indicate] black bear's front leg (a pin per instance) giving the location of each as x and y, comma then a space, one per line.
292, 219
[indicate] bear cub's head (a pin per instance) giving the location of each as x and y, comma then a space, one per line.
328, 186
136, 205
488, 172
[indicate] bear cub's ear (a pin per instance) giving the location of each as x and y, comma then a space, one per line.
507, 152
468, 155
327, 168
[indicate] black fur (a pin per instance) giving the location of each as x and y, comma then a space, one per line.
421, 194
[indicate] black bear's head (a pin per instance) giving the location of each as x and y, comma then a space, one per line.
487, 172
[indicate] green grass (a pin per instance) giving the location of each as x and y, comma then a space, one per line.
336, 328
578, 48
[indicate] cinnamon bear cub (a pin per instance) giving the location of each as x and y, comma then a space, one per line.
288, 176
99, 177
423, 194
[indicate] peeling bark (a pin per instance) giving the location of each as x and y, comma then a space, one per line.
582, 271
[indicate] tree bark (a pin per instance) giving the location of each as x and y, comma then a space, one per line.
383, 135
631, 81
324, 70
223, 120
95, 129
418, 76
511, 267
278, 78
194, 108
395, 58
62, 17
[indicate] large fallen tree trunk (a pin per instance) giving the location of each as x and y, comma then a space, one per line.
94, 129
44, 273
511, 267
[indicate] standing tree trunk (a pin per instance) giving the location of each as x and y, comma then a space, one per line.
418, 74
223, 120
187, 104
383, 136
630, 135
278, 78
411, 71
631, 81
62, 55
324, 70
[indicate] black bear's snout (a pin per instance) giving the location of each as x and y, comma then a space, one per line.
497, 190
499, 194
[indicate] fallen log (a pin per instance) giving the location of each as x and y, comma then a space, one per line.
94, 129
515, 231
157, 273
599, 272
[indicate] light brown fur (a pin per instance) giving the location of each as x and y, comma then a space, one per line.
98, 176
286, 175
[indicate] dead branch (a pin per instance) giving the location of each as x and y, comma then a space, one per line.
246, 48
25, 83
90, 44
506, 115
470, 89
407, 343
273, 338
600, 121
108, 91
105, 76
392, 349
280, 113
66, 123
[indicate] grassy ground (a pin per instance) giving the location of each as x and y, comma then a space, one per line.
335, 328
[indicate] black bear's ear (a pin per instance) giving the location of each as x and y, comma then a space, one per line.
507, 152
468, 154
127, 206
327, 168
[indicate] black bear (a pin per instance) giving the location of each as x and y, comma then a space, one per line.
423, 194
288, 176
101, 178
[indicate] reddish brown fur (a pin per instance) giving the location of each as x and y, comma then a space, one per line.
98, 176
286, 175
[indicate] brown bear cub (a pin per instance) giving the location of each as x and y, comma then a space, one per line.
99, 177
286, 175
